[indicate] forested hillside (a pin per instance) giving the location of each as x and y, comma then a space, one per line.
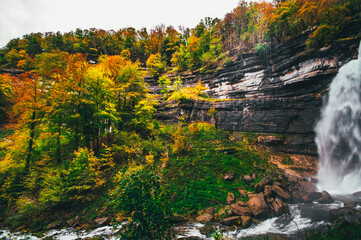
78, 133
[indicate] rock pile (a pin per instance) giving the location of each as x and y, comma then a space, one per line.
269, 199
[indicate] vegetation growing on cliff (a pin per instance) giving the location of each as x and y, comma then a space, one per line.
81, 138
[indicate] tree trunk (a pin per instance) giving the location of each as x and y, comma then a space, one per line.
31, 142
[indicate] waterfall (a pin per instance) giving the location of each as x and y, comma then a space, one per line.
338, 133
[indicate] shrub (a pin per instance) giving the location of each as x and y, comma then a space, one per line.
188, 94
139, 196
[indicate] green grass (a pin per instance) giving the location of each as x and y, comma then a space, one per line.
195, 175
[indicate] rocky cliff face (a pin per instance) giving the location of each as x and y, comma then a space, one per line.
277, 93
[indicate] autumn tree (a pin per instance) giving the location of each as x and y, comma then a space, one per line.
28, 108
156, 65
127, 84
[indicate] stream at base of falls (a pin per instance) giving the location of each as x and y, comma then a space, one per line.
304, 217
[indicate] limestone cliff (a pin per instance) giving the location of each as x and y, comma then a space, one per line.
278, 93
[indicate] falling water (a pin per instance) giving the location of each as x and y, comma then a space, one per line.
338, 133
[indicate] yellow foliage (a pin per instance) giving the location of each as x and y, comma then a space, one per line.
189, 93
149, 159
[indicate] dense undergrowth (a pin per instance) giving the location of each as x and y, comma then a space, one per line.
190, 162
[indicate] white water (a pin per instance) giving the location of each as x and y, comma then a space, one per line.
107, 232
304, 217
338, 133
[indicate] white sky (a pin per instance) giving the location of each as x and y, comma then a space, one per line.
20, 17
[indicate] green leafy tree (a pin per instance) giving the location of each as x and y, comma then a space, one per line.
143, 116
139, 196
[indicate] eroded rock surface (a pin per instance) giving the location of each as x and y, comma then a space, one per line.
278, 92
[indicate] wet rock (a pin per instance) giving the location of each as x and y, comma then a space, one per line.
350, 204
230, 198
282, 193
204, 218
207, 230
268, 191
248, 178
243, 193
279, 207
325, 198
102, 221
305, 197
241, 211
315, 196
231, 221
258, 205
246, 221
347, 213
296, 197
230, 177
357, 194
260, 186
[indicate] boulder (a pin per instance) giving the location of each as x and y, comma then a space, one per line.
305, 196
280, 192
243, 193
210, 210
350, 214
258, 205
207, 230
230, 177
350, 204
296, 197
242, 204
325, 198
204, 218
246, 221
268, 191
357, 194
279, 207
230, 198
248, 178
232, 221
260, 186
241, 211
315, 196
102, 221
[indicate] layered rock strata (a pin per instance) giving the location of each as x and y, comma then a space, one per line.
278, 92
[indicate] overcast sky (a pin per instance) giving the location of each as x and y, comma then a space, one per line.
19, 17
